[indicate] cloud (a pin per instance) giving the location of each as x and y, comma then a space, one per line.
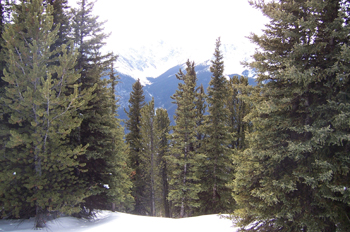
185, 23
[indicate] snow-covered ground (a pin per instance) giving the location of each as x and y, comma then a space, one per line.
107, 221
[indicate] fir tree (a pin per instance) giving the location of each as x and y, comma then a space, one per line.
100, 129
162, 123
60, 18
117, 183
38, 164
217, 168
148, 157
201, 106
136, 102
184, 181
238, 108
295, 174
4, 125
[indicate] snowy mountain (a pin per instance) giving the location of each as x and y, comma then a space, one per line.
156, 65
154, 59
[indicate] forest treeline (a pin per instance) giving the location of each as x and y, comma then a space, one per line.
274, 156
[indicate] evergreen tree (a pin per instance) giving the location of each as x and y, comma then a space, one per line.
238, 108
38, 164
184, 181
295, 174
60, 18
162, 123
4, 125
154, 129
133, 138
113, 81
116, 171
148, 158
100, 129
201, 106
217, 169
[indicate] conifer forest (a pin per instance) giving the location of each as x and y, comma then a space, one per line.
275, 156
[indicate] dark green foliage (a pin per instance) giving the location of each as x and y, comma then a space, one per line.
60, 19
200, 118
133, 139
113, 81
162, 123
295, 174
105, 158
216, 171
184, 159
148, 158
4, 125
154, 129
238, 107
38, 164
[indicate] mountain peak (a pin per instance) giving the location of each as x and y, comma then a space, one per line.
156, 58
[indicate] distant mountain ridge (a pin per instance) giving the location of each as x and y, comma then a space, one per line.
158, 57
164, 86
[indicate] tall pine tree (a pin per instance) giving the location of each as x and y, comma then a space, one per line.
100, 129
238, 107
184, 180
39, 164
217, 168
201, 107
149, 158
3, 84
162, 123
295, 175
133, 138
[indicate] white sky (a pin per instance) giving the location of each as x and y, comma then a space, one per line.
184, 23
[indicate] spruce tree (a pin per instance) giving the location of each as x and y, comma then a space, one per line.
39, 165
184, 180
149, 158
162, 123
100, 129
117, 184
4, 125
154, 130
238, 107
60, 18
295, 174
217, 168
201, 107
133, 137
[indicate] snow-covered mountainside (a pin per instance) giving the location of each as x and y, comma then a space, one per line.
154, 59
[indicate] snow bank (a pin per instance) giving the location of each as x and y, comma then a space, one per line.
121, 222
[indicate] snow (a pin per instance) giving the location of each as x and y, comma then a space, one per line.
155, 58
122, 222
